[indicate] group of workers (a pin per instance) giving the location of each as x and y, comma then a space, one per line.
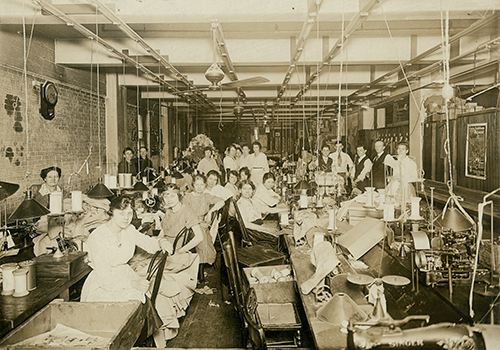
381, 172
112, 243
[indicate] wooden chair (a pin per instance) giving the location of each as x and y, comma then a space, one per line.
256, 335
234, 272
253, 254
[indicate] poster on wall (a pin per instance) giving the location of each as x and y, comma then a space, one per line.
475, 151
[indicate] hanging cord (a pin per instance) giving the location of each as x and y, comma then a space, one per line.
339, 105
318, 116
25, 74
98, 93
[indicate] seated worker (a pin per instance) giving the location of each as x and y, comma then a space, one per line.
265, 199
50, 177
127, 166
252, 218
203, 205
232, 183
214, 187
245, 174
207, 163
110, 247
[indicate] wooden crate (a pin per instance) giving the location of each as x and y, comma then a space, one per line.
120, 322
67, 266
276, 292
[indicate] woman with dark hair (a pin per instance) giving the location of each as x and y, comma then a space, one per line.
259, 163
265, 199
203, 204
232, 182
50, 177
110, 247
252, 217
245, 174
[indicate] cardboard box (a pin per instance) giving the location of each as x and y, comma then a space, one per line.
120, 322
274, 292
67, 266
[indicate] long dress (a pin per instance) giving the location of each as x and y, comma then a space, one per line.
250, 213
200, 205
260, 166
111, 275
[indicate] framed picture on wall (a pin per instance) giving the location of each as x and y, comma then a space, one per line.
475, 151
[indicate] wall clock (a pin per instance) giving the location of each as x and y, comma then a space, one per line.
48, 100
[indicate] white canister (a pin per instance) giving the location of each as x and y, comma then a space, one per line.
284, 219
127, 180
20, 282
55, 202
76, 201
121, 179
415, 207
8, 284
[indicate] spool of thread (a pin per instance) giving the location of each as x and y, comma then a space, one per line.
415, 207
284, 218
319, 203
257, 273
389, 212
154, 191
303, 199
76, 200
276, 274
145, 180
55, 202
172, 180
128, 180
381, 201
31, 266
331, 220
145, 195
8, 284
20, 281
369, 196
121, 180
110, 181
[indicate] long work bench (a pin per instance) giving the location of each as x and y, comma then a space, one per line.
402, 301
14, 311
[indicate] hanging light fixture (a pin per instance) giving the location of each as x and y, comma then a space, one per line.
100, 191
29, 209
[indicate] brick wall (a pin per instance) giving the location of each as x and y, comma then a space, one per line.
29, 143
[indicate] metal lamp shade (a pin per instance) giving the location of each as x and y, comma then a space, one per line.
7, 189
100, 191
29, 209
454, 220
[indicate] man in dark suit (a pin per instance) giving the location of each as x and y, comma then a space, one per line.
380, 165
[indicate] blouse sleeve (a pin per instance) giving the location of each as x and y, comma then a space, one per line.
147, 243
105, 265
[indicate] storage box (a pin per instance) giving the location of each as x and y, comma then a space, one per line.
121, 323
67, 266
274, 292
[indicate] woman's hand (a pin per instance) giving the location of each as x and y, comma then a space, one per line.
165, 245
141, 284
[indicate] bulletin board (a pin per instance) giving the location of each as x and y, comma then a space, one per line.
475, 151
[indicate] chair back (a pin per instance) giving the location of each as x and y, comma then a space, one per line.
224, 217
256, 333
234, 273
181, 239
244, 233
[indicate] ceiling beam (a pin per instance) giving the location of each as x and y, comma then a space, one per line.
125, 28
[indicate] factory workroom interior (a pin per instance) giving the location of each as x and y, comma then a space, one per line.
230, 174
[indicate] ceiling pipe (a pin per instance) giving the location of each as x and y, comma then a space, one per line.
125, 28
471, 29
307, 27
353, 25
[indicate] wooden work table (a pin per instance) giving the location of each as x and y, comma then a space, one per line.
402, 301
14, 311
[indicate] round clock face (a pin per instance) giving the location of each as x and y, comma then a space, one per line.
51, 93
